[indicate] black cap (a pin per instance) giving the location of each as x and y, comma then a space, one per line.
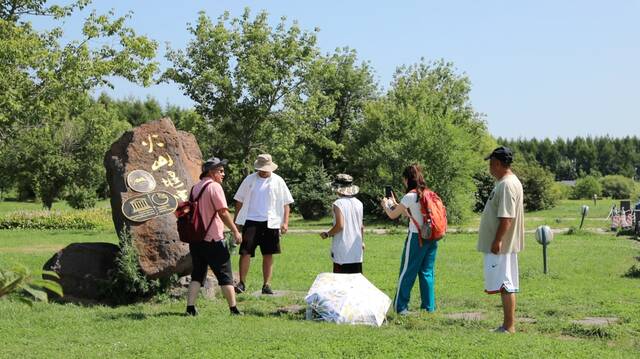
503, 154
212, 163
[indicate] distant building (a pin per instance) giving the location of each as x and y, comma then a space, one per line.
570, 183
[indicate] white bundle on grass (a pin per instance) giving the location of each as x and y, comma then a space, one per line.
346, 298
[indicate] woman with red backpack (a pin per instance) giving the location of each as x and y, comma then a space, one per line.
420, 248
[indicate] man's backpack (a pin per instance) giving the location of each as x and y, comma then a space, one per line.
434, 217
191, 228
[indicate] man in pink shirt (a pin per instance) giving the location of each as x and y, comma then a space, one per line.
212, 251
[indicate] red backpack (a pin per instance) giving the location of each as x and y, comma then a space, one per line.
191, 227
434, 217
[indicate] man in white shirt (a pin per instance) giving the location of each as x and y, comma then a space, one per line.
262, 209
501, 234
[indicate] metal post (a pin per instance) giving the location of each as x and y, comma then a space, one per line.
544, 256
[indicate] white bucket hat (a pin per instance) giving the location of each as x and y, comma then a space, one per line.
343, 185
264, 163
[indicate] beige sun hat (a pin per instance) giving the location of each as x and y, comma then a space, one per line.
265, 163
343, 185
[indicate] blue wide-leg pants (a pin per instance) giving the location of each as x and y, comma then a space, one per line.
417, 262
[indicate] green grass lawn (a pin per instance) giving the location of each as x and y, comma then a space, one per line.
585, 280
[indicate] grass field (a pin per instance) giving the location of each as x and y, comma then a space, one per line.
585, 280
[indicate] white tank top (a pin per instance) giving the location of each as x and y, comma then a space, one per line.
347, 245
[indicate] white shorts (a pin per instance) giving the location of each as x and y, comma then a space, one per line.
501, 272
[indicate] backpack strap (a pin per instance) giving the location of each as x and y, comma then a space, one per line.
201, 191
206, 230
415, 222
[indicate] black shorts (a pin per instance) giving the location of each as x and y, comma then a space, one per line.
347, 268
256, 234
215, 255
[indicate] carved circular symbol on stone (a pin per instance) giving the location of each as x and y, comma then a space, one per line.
159, 198
141, 181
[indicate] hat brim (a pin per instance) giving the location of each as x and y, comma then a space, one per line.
266, 168
487, 158
347, 191
219, 164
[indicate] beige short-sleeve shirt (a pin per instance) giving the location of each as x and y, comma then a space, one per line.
505, 201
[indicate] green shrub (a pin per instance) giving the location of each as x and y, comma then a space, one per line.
561, 191
586, 187
313, 195
56, 220
81, 198
129, 284
537, 185
617, 187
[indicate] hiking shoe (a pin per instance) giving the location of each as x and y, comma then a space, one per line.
239, 288
266, 289
191, 311
404, 312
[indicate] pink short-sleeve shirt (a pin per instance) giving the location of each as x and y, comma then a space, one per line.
212, 200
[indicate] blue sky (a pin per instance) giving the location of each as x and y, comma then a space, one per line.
538, 68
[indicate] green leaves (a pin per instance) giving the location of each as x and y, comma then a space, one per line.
239, 72
20, 281
425, 118
52, 135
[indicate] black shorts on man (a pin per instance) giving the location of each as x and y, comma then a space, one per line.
215, 255
256, 234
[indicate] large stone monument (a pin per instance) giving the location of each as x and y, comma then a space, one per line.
149, 170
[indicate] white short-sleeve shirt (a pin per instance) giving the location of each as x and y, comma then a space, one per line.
279, 196
411, 202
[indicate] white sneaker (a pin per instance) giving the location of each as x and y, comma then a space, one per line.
404, 312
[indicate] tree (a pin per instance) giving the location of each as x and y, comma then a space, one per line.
313, 195
327, 107
537, 185
426, 118
239, 72
46, 86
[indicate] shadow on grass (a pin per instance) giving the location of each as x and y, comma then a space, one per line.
141, 316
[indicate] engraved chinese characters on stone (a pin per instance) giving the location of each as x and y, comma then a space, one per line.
149, 205
177, 160
141, 181
174, 182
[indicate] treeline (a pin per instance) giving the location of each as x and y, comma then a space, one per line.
570, 159
256, 89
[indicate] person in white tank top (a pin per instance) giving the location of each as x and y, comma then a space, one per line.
347, 247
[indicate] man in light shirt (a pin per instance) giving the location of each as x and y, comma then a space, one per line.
501, 234
262, 209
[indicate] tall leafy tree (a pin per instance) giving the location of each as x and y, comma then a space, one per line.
239, 71
46, 82
426, 117
327, 108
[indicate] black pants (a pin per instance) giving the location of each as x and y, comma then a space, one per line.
213, 254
